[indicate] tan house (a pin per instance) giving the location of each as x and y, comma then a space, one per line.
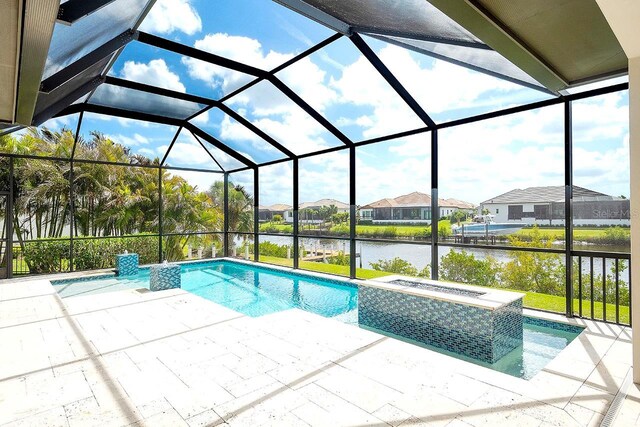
412, 208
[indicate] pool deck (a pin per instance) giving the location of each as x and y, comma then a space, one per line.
172, 358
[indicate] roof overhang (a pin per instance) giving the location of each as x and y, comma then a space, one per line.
28, 27
11, 23
559, 43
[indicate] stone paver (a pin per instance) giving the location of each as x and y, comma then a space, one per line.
171, 358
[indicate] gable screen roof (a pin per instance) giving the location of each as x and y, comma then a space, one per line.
82, 52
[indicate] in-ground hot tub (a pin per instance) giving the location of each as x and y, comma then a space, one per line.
481, 323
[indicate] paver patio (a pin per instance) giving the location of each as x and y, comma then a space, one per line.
172, 358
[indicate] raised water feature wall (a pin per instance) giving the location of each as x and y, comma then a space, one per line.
484, 327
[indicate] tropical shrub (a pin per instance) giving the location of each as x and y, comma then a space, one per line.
89, 254
51, 256
598, 279
616, 236
444, 230
395, 265
458, 216
47, 256
274, 250
340, 259
464, 267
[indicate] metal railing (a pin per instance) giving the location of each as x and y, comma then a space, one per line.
602, 286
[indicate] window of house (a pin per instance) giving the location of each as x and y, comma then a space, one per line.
515, 212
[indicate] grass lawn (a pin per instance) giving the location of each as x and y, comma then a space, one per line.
579, 233
340, 270
557, 304
281, 228
400, 230
366, 230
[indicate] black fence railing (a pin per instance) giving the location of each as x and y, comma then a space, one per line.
602, 286
600, 280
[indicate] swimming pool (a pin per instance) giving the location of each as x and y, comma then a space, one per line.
250, 290
257, 291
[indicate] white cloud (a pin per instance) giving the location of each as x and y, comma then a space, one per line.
231, 130
188, 153
310, 82
283, 120
483, 159
55, 125
168, 16
440, 86
201, 119
244, 178
276, 184
150, 153
325, 176
243, 49
477, 161
134, 140
155, 73
271, 111
360, 84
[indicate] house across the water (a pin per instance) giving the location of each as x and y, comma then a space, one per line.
545, 206
266, 213
316, 212
412, 208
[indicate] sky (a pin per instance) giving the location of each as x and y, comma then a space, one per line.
477, 161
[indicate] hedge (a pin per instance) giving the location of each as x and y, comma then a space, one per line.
52, 256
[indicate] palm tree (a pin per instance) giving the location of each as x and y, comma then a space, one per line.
239, 209
109, 199
186, 210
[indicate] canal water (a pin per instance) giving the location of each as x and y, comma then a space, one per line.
420, 255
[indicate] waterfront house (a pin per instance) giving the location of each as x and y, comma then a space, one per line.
316, 212
545, 206
412, 208
266, 213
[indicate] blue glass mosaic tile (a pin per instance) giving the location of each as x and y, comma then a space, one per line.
482, 334
575, 329
164, 276
127, 264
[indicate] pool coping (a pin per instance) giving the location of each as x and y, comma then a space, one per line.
565, 385
490, 299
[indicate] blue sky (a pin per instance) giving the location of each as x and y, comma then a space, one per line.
478, 161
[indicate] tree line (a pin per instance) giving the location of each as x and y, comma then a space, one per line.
109, 200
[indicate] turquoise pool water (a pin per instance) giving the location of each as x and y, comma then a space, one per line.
250, 290
257, 291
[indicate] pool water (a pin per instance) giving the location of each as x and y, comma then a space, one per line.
252, 291
542, 340
256, 291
